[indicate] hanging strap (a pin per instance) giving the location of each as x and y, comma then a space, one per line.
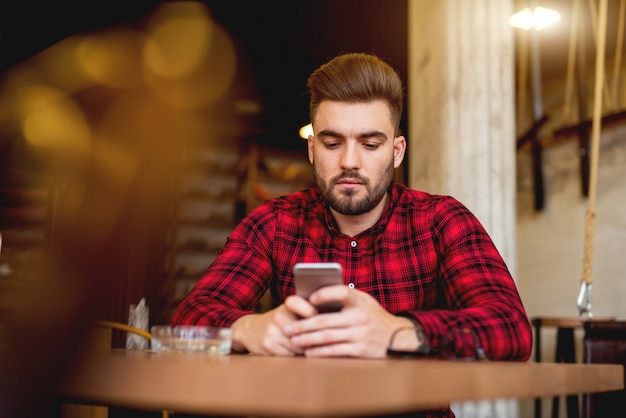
584, 296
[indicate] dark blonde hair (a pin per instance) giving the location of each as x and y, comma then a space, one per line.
357, 77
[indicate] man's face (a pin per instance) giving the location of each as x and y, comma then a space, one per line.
354, 153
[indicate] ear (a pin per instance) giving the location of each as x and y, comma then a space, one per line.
399, 148
310, 146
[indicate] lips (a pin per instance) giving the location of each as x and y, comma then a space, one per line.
350, 181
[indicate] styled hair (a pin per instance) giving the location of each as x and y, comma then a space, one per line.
357, 77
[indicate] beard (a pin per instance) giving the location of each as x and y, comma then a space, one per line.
346, 202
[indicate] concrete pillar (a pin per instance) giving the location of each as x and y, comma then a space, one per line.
461, 118
461, 138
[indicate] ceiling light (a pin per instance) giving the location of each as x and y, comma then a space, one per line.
539, 19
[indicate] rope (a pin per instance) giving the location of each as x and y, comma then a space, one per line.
597, 32
617, 64
522, 79
571, 58
590, 215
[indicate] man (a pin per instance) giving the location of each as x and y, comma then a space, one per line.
410, 259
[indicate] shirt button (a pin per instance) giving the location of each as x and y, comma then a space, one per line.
351, 285
353, 244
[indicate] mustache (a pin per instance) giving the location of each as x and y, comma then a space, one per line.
349, 175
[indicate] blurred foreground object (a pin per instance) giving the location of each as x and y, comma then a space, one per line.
139, 318
91, 130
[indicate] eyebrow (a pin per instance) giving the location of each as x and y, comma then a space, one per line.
364, 135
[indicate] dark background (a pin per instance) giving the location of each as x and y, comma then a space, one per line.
284, 41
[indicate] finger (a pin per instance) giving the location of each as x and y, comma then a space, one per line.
285, 349
278, 344
323, 336
299, 307
337, 293
347, 320
333, 350
275, 349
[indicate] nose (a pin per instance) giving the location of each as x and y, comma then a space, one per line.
350, 159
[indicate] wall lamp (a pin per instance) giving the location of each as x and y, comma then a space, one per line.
305, 131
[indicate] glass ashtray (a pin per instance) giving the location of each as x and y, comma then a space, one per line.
191, 338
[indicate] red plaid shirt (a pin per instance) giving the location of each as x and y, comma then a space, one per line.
428, 258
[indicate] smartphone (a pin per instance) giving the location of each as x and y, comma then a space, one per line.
308, 277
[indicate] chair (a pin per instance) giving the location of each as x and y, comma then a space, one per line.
604, 342
565, 353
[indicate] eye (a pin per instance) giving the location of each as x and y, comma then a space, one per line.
371, 145
331, 144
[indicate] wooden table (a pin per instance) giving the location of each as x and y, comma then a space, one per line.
285, 386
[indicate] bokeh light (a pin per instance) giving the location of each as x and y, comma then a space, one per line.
112, 58
52, 120
190, 61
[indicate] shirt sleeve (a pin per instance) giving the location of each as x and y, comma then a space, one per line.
237, 279
484, 308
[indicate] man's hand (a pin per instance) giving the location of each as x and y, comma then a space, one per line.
361, 329
263, 333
